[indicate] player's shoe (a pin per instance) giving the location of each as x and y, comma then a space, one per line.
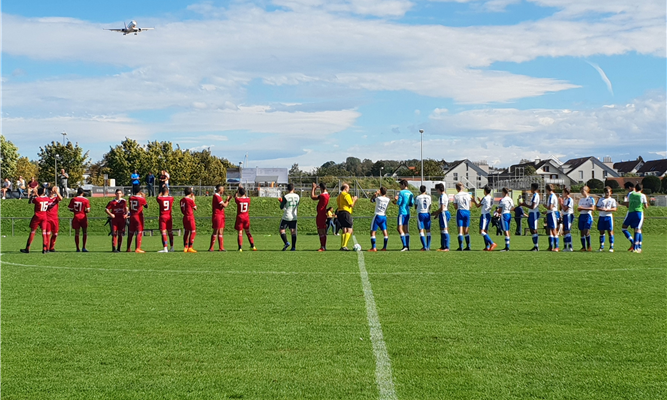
185, 250
285, 246
405, 249
589, 249
293, 249
601, 249
505, 249
191, 250
52, 250
171, 249
84, 250
211, 249
383, 249
321, 249
632, 248
583, 249
165, 250
459, 249
344, 249
549, 248
466, 249
78, 250
222, 250
46, 251
423, 249
535, 249
638, 250
555, 249
139, 251
611, 250
493, 246
240, 250
25, 251
373, 250
254, 248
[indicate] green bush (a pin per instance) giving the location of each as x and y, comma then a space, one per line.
612, 184
595, 184
653, 183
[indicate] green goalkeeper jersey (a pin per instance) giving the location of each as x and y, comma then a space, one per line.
636, 201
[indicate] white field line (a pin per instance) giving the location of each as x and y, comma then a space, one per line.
382, 363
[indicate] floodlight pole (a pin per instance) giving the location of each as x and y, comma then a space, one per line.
421, 132
381, 168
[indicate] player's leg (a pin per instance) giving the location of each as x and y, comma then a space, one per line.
249, 236
422, 231
55, 227
601, 230
239, 239
221, 238
76, 238
374, 227
214, 235
293, 232
193, 234
386, 236
427, 226
186, 239
459, 226
283, 234
130, 235
322, 232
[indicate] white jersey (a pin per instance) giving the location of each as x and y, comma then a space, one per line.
462, 200
290, 205
552, 200
506, 204
487, 204
604, 202
586, 202
534, 201
381, 204
569, 203
443, 200
423, 203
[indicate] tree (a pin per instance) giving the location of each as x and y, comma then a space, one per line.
595, 184
529, 170
431, 168
209, 169
378, 168
294, 171
96, 173
653, 183
122, 160
26, 168
612, 184
10, 155
71, 158
353, 165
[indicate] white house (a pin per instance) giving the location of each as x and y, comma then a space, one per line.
581, 170
466, 172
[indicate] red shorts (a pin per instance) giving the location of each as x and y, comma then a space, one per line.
321, 221
137, 223
218, 222
242, 223
165, 223
118, 225
54, 225
80, 222
189, 224
37, 222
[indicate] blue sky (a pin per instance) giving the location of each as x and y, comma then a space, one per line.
308, 81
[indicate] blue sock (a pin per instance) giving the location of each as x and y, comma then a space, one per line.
602, 241
460, 241
628, 236
467, 240
535, 239
428, 240
446, 240
422, 238
403, 239
507, 242
407, 239
583, 242
386, 239
551, 242
611, 241
568, 241
556, 244
443, 240
487, 239
641, 238
372, 242
588, 241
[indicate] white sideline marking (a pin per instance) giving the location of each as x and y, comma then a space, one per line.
382, 363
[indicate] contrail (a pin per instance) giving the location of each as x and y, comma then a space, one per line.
603, 76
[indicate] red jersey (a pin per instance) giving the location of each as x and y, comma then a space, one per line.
118, 208
52, 212
41, 206
188, 207
166, 203
242, 206
137, 204
322, 203
218, 208
78, 205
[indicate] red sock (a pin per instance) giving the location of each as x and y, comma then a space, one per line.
120, 241
53, 241
212, 242
252, 242
239, 240
139, 237
186, 236
45, 241
85, 239
192, 238
129, 240
30, 239
76, 240
323, 241
171, 239
114, 241
164, 239
221, 242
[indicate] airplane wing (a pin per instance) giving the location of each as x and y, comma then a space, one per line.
116, 30
145, 29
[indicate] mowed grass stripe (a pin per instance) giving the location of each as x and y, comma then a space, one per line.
596, 335
383, 374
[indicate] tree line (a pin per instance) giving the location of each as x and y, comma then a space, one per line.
186, 167
353, 166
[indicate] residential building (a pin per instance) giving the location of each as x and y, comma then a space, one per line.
654, 168
466, 172
629, 167
581, 170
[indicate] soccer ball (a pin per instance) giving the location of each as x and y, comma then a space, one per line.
357, 247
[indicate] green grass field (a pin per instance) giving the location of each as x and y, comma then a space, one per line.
268, 324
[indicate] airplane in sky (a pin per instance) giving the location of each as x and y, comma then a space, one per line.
131, 28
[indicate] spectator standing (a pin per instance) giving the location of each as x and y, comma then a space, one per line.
20, 186
32, 187
518, 214
164, 179
135, 182
150, 184
62, 178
